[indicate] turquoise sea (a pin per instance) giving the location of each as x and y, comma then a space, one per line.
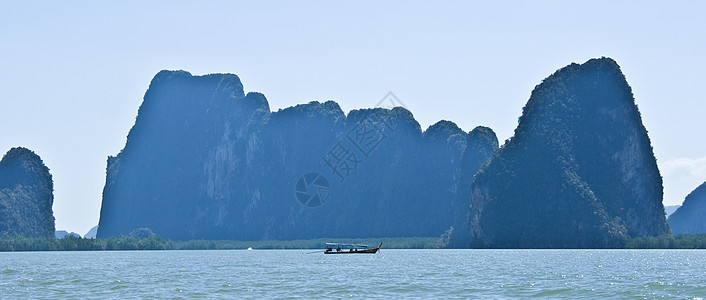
388, 274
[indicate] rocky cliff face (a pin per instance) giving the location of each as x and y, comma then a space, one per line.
482, 142
26, 195
204, 160
578, 173
691, 216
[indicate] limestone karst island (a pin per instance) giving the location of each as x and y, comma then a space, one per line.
207, 161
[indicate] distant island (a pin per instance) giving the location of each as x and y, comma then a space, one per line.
690, 218
204, 160
669, 210
26, 195
578, 173
206, 166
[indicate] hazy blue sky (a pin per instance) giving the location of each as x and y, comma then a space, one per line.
74, 73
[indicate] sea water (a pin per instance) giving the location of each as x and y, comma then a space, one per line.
388, 274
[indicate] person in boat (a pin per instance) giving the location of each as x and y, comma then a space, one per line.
338, 249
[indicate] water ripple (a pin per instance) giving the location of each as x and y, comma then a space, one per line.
390, 274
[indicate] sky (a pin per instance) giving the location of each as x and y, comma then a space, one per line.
73, 73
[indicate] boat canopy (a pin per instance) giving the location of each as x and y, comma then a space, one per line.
346, 246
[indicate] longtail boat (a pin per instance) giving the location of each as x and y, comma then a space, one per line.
336, 248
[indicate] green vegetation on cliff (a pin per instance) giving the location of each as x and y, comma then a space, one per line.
482, 143
578, 173
26, 195
204, 160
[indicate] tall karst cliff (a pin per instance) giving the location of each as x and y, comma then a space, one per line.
26, 195
482, 142
204, 160
691, 216
579, 171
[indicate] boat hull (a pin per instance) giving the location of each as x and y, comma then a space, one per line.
363, 251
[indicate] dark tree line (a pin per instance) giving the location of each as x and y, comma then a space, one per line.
679, 241
72, 243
